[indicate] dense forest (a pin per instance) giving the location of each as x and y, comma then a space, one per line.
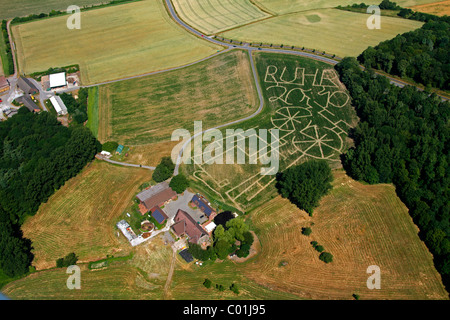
403, 138
421, 55
37, 156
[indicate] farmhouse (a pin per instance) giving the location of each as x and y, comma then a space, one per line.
159, 215
155, 196
204, 206
4, 84
26, 86
185, 225
58, 80
59, 105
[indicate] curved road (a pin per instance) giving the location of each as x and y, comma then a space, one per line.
249, 49
228, 46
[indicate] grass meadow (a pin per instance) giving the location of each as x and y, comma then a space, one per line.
147, 110
334, 31
92, 110
113, 43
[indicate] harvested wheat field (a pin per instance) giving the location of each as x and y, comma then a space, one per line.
211, 16
334, 31
113, 43
360, 225
80, 217
440, 8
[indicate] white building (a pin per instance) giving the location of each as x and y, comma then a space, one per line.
59, 105
129, 233
58, 80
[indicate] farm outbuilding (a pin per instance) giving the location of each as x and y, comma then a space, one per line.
58, 80
4, 84
159, 214
204, 206
27, 86
29, 103
59, 105
155, 196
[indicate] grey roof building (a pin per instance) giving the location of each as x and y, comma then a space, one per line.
29, 103
27, 86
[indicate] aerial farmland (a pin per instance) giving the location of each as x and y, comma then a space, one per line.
224, 150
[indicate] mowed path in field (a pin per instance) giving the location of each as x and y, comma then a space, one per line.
80, 216
113, 43
147, 110
360, 225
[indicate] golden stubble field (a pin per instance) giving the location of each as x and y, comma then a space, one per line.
80, 216
113, 43
440, 8
361, 225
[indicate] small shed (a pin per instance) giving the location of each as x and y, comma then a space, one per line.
119, 149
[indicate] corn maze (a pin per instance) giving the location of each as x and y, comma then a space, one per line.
306, 102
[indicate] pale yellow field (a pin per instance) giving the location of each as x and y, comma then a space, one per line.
113, 43
331, 30
288, 6
212, 16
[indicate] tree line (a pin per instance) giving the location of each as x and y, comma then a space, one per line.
8, 50
421, 54
37, 156
403, 138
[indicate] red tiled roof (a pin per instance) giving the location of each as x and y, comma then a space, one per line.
159, 198
184, 224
